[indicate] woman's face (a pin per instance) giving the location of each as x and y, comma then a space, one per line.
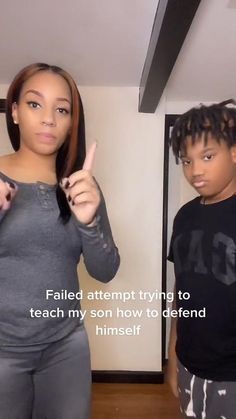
43, 113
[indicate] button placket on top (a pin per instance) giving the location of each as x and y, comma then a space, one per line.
44, 196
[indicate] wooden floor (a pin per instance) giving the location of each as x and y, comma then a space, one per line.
133, 401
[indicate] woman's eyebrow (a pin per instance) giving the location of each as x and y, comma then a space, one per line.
36, 92
63, 99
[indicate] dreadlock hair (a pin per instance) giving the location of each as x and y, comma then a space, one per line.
71, 155
216, 120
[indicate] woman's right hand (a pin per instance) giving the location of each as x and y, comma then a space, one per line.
8, 191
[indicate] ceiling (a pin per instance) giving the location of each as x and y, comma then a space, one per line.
100, 42
205, 69
105, 43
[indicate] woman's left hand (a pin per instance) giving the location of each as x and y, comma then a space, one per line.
82, 191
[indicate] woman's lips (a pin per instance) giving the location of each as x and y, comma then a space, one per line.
46, 136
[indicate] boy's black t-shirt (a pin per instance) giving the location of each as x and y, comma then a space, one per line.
203, 249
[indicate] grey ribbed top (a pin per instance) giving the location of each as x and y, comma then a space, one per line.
38, 252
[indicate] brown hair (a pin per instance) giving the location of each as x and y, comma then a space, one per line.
71, 155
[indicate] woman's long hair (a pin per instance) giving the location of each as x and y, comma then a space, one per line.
71, 155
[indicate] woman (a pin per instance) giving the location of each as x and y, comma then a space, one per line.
51, 212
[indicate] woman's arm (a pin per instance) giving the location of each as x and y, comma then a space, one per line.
172, 357
88, 210
101, 256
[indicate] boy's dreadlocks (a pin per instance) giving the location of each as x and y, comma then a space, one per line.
217, 120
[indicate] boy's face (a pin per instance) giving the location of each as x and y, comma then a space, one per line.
210, 168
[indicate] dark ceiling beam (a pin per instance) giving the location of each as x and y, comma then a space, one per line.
172, 22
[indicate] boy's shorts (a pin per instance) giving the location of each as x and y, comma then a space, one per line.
205, 399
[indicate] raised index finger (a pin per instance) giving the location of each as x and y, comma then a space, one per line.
89, 159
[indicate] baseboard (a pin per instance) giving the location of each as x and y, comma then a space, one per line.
141, 377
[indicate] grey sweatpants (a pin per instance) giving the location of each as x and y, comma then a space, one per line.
50, 383
205, 399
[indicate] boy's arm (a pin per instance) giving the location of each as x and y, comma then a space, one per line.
172, 357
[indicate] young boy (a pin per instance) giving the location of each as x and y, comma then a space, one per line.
202, 349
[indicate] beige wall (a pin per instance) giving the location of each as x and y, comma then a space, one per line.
5, 146
129, 168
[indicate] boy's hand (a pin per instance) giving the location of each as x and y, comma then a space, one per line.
8, 191
171, 376
82, 192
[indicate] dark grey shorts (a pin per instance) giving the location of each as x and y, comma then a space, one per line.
205, 399
53, 383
